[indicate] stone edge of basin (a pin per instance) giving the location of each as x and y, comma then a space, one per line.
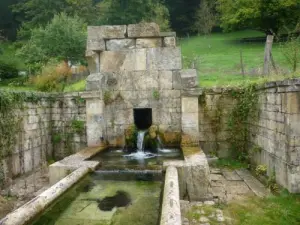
62, 175
193, 174
36, 206
62, 168
170, 213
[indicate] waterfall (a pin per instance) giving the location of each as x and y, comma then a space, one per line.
140, 140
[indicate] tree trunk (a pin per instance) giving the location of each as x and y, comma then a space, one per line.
268, 50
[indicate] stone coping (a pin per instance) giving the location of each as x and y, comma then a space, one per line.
26, 213
60, 169
171, 214
63, 174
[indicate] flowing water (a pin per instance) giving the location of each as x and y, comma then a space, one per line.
140, 140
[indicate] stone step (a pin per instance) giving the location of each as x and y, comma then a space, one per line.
231, 175
257, 187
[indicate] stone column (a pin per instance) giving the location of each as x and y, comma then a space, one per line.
190, 121
94, 119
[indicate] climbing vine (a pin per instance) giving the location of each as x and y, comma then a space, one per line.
245, 110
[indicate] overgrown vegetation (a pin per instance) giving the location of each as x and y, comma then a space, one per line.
53, 77
230, 163
244, 111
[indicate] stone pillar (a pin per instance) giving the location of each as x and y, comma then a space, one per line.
94, 119
189, 121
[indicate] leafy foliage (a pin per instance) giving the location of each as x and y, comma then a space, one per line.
266, 15
238, 123
63, 38
125, 12
291, 51
7, 69
206, 17
53, 77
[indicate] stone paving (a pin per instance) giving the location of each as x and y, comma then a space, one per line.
227, 185
24, 189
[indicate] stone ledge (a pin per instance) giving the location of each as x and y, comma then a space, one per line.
61, 168
30, 210
171, 214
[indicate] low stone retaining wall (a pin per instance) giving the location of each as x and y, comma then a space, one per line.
30, 210
194, 174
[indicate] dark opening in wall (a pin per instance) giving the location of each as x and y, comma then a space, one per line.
143, 118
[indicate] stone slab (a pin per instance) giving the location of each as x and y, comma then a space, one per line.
129, 60
95, 45
120, 44
148, 42
143, 30
257, 187
231, 175
171, 214
106, 32
164, 58
169, 42
189, 78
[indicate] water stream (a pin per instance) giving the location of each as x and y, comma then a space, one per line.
140, 140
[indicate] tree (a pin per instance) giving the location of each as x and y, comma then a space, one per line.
205, 18
268, 16
8, 23
182, 15
116, 12
64, 38
40, 12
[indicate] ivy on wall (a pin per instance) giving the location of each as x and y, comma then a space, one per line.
245, 110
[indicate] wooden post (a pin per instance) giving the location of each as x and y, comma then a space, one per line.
242, 63
268, 50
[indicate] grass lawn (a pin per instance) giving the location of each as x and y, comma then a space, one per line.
218, 57
276, 210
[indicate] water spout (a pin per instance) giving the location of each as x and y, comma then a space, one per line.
140, 140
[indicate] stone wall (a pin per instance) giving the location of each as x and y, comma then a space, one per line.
277, 132
215, 105
274, 136
45, 121
134, 67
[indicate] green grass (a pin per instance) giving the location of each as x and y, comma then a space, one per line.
276, 210
78, 86
230, 164
218, 57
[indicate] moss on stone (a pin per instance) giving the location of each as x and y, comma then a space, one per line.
188, 151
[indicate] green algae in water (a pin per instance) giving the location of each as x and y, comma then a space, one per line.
74, 207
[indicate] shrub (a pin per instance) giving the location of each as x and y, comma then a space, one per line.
8, 69
52, 77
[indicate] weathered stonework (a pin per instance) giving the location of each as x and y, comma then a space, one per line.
148, 43
135, 72
120, 44
143, 30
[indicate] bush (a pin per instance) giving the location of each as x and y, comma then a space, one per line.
52, 77
8, 69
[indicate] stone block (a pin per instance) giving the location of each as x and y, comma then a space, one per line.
120, 44
93, 62
176, 80
189, 78
164, 58
148, 43
166, 79
167, 34
93, 82
95, 45
143, 30
169, 42
106, 32
189, 104
130, 60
